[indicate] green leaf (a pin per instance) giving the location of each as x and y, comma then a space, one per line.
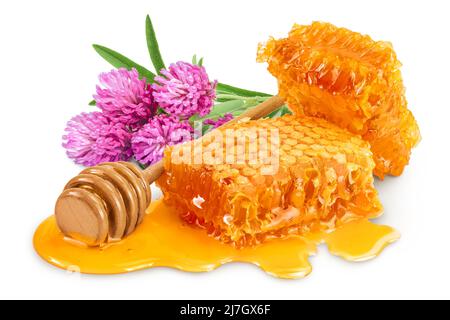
222, 99
141, 165
226, 107
161, 111
197, 62
200, 128
93, 103
153, 47
280, 112
206, 128
229, 96
119, 61
220, 109
225, 88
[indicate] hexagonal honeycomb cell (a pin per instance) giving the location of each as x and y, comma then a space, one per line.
351, 80
248, 182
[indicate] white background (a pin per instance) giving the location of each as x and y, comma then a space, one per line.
48, 73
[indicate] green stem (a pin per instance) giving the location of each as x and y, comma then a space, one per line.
242, 92
226, 96
230, 96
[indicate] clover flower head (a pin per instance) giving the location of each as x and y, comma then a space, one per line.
92, 138
125, 98
149, 142
184, 89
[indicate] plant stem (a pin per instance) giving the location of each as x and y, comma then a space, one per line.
226, 96
243, 92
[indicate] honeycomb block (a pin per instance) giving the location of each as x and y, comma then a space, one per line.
350, 80
310, 176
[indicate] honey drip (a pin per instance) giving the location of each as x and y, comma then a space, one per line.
162, 240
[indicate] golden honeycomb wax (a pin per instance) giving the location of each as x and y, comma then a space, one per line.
322, 178
350, 80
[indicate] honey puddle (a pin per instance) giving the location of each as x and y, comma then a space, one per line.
163, 241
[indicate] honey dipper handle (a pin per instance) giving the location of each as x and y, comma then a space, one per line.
153, 172
261, 110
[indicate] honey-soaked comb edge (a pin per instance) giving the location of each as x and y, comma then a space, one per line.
246, 189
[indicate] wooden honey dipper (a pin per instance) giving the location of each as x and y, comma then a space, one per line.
106, 203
